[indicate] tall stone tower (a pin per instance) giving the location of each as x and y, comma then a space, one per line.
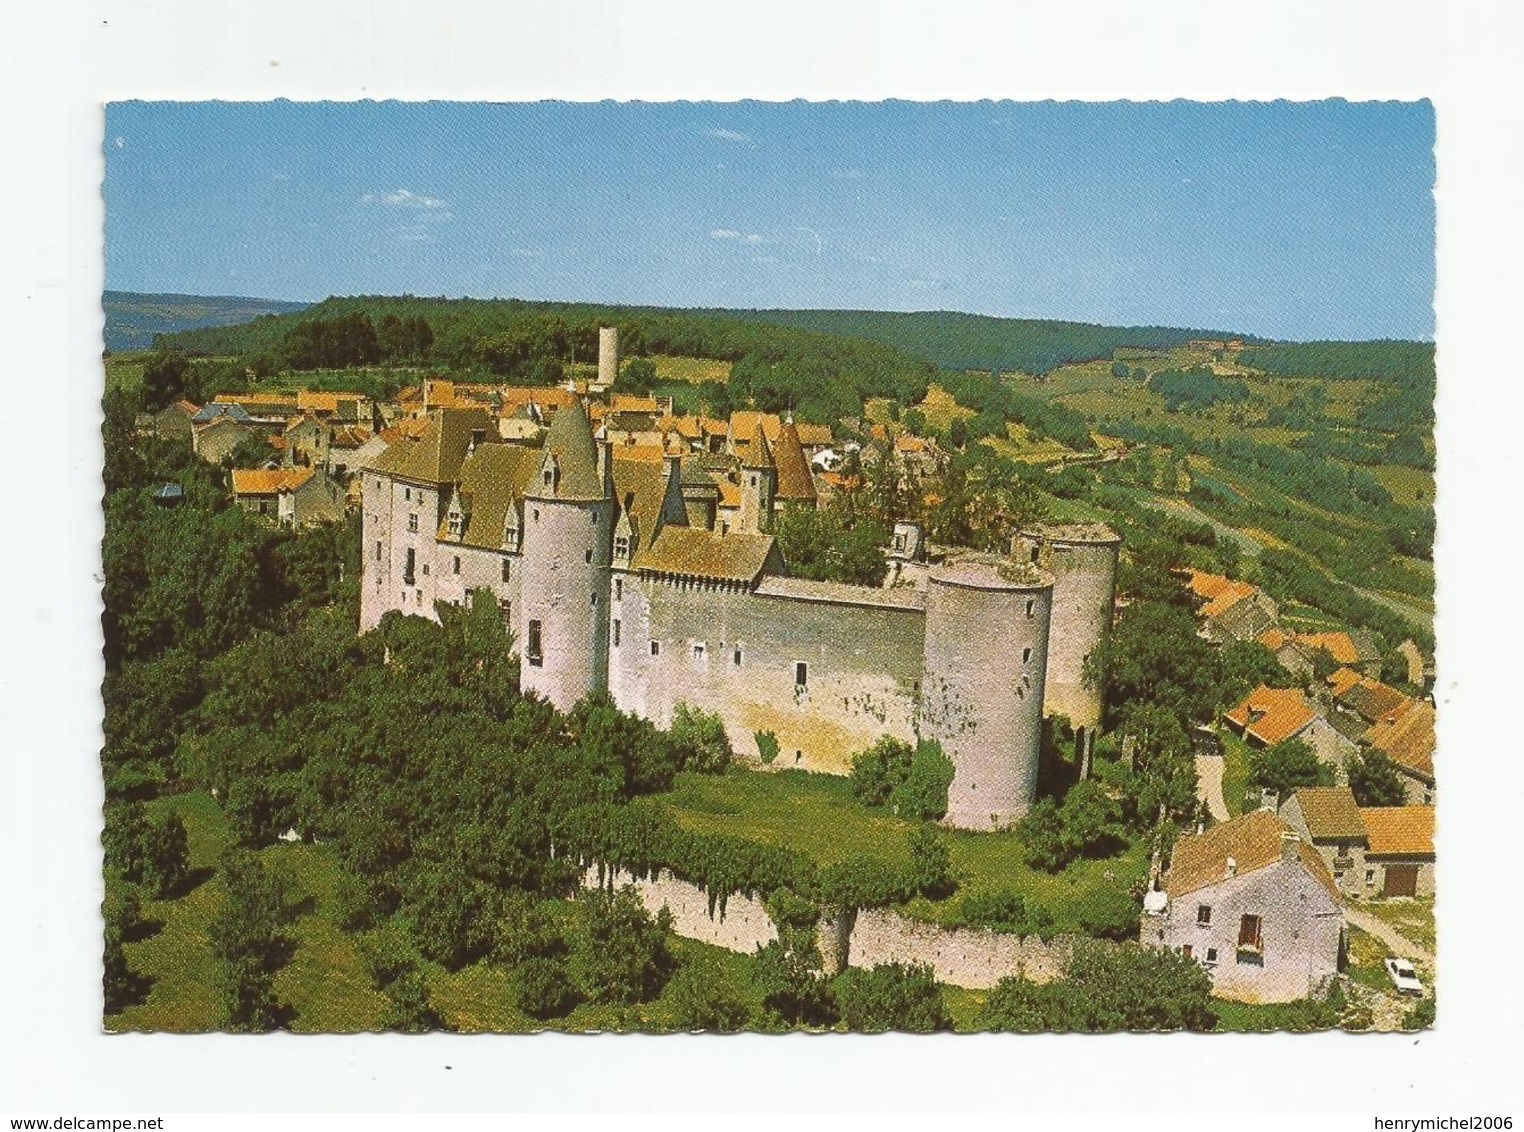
982, 688
1082, 557
568, 546
759, 480
608, 355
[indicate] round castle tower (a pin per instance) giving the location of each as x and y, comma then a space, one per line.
1082, 557
982, 687
568, 547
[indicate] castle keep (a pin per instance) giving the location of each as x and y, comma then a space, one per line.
659, 581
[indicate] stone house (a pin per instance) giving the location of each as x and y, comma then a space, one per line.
1254, 903
1400, 860
293, 497
1288, 652
1231, 610
173, 422
1329, 819
306, 443
1356, 650
1406, 736
215, 440
1268, 716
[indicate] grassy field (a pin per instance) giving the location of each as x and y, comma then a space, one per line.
1237, 791
817, 816
941, 409
690, 369
125, 371
1412, 487
1021, 445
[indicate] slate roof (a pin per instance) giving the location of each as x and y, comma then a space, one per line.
434, 454
570, 440
1400, 831
1372, 700
758, 452
639, 486
839, 593
1331, 813
1253, 841
699, 553
492, 479
222, 409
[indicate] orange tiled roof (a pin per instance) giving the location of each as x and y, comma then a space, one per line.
1372, 700
629, 403
814, 435
1400, 831
1343, 680
1407, 737
911, 445
1272, 639
1273, 714
1252, 841
269, 481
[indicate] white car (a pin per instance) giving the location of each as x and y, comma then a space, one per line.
1403, 976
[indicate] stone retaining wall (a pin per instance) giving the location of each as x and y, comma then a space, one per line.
963, 957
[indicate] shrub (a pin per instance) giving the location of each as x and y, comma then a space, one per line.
1420, 1016
877, 771
767, 746
699, 740
622, 954
794, 992
891, 997
922, 796
702, 1000
930, 863
1005, 911
545, 988
453, 916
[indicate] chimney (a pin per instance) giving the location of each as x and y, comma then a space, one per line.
478, 438
1290, 843
1232, 868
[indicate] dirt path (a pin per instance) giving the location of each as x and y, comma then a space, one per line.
1395, 940
1209, 785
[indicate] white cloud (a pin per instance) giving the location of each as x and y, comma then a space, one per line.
730, 136
432, 210
525, 253
280, 176
731, 234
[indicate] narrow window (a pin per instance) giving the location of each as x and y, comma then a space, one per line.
1186, 950
418, 597
801, 676
735, 657
407, 570
1370, 876
412, 521
1034, 554
1249, 934
506, 609
1203, 914
698, 653
507, 566
1026, 655
655, 648
621, 547
1031, 606
378, 551
532, 649
536, 514
588, 556
594, 601
407, 494
1211, 955
618, 589
753, 481
616, 632
425, 569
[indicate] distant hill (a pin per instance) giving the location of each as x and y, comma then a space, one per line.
957, 341
132, 319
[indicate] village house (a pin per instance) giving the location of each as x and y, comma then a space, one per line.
218, 429
1372, 851
1268, 716
1406, 736
173, 422
1230, 610
293, 497
1255, 904
1356, 650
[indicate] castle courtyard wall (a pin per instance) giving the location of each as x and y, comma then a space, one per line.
863, 663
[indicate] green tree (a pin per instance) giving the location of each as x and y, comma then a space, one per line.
1042, 837
1163, 784
702, 1000
794, 991
915, 422
1155, 656
453, 915
931, 871
879, 770
1245, 666
249, 944
637, 376
1288, 765
891, 996
1375, 780
699, 740
167, 378
545, 987
1004, 910
1107, 988
922, 796
622, 954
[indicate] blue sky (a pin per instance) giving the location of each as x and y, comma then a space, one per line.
1312, 220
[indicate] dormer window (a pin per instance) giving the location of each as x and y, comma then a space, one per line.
621, 546
457, 524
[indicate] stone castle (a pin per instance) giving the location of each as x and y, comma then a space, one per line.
661, 583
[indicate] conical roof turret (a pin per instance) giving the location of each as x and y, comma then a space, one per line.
569, 448
795, 483
759, 453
